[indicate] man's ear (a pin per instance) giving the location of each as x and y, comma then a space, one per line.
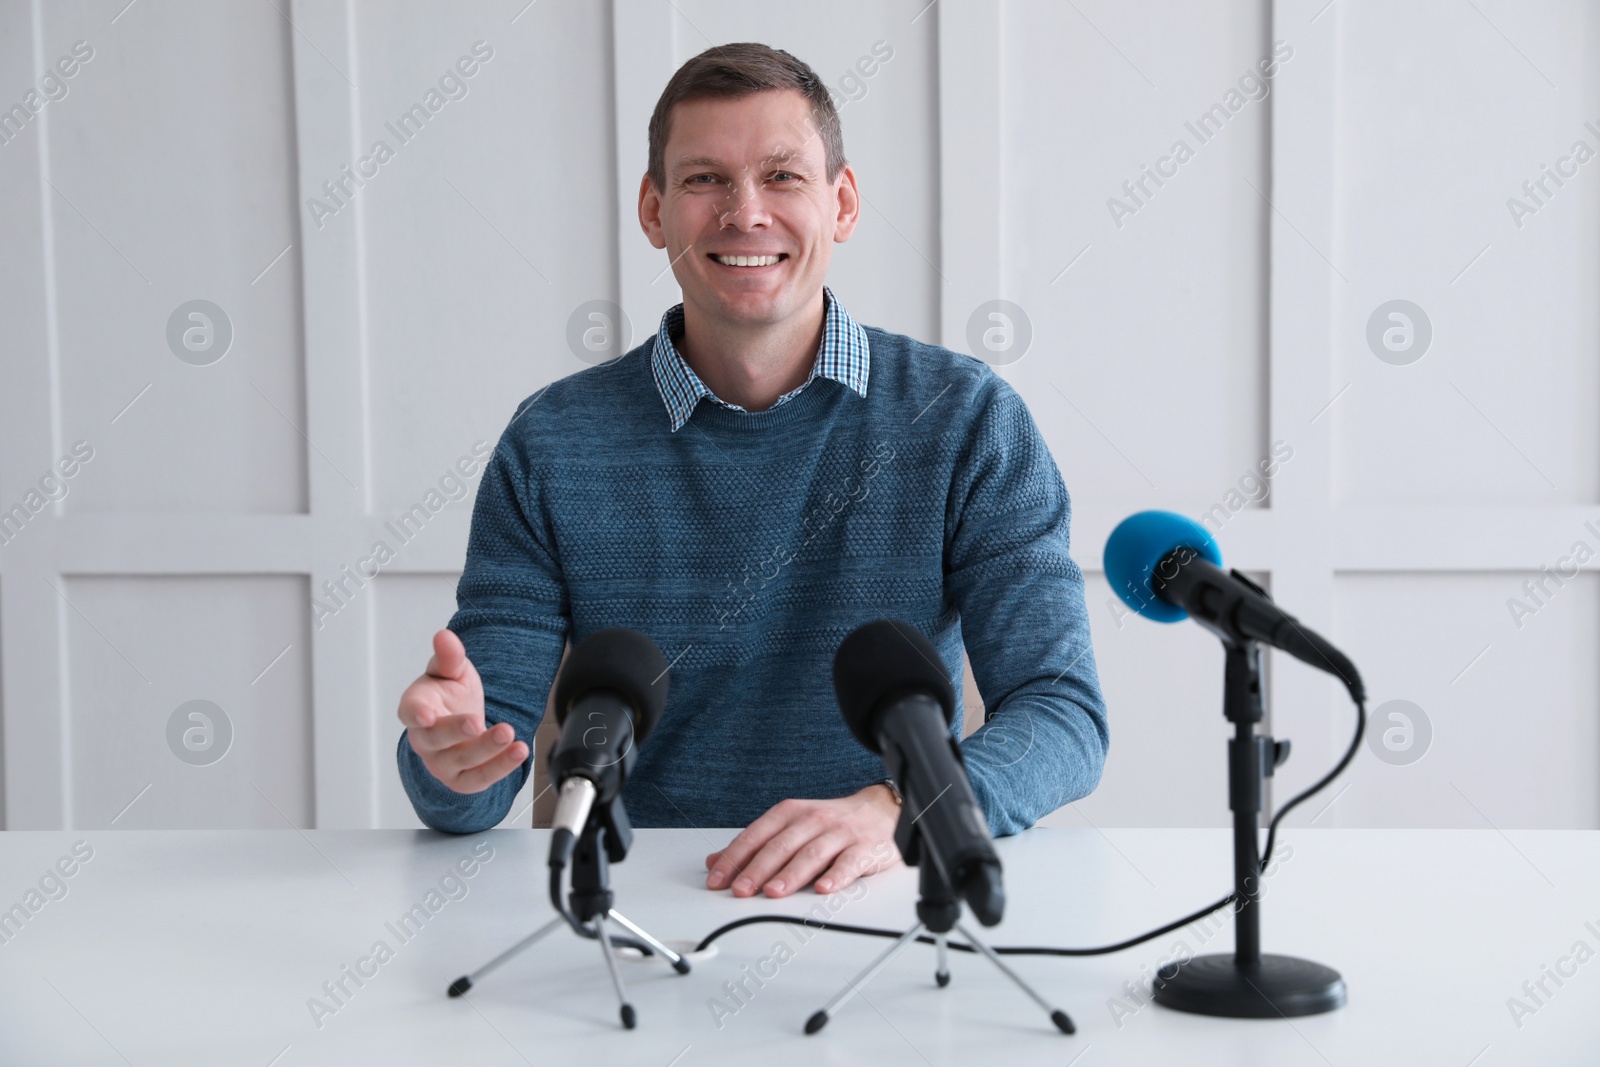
650, 213
849, 199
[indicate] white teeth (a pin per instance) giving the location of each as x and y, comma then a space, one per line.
747, 261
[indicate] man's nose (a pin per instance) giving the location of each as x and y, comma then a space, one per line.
745, 204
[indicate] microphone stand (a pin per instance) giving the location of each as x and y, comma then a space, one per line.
605, 840
1248, 984
938, 912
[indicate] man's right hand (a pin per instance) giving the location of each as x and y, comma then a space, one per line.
443, 716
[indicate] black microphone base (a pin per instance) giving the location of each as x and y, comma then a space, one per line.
1271, 988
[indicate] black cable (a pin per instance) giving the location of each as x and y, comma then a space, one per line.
960, 946
1338, 769
617, 940
559, 904
1101, 950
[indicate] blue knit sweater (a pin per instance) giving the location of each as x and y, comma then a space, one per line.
747, 545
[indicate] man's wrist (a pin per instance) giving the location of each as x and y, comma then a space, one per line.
893, 790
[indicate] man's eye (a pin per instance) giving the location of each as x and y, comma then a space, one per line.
785, 174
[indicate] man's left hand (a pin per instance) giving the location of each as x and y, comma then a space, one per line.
798, 840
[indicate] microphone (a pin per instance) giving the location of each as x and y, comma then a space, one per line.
1166, 567
609, 695
897, 701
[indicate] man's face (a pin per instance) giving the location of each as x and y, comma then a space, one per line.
748, 177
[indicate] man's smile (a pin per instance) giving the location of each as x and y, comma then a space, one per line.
748, 263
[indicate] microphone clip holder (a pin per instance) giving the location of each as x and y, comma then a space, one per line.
1249, 983
938, 912
606, 838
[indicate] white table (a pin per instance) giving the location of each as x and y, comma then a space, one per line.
205, 948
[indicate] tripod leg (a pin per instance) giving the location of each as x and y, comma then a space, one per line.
1060, 1018
629, 1019
464, 983
820, 1019
941, 942
679, 964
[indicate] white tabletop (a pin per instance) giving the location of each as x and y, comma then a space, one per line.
207, 948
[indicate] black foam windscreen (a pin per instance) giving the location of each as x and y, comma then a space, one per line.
618, 660
883, 660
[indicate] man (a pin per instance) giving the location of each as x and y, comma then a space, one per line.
746, 488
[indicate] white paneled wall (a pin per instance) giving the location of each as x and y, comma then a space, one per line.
1149, 362
1194, 312
131, 652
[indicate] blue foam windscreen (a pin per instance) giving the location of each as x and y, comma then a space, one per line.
1138, 544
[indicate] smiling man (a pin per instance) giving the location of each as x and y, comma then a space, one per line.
758, 479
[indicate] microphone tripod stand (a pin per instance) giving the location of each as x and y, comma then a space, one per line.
604, 841
1248, 984
938, 912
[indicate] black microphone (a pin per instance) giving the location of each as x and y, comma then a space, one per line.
897, 700
608, 697
1166, 566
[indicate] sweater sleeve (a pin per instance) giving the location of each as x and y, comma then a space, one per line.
513, 618
1024, 621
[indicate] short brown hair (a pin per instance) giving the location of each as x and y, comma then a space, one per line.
738, 70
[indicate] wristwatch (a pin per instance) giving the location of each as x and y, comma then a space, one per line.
895, 790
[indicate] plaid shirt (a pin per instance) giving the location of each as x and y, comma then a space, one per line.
844, 357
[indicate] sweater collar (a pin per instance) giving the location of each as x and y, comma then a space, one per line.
843, 356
